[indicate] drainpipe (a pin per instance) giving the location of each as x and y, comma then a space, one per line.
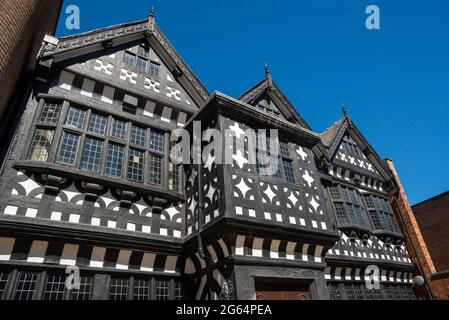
203, 253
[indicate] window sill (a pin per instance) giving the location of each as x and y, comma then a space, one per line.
391, 234
78, 174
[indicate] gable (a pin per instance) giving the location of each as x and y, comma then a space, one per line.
265, 104
135, 65
351, 155
103, 51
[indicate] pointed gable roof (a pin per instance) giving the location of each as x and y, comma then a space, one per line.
332, 138
95, 40
269, 87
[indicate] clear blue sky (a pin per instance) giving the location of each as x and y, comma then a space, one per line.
394, 81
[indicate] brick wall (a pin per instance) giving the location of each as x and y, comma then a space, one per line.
432, 217
23, 25
437, 285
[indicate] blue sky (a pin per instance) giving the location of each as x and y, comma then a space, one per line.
394, 81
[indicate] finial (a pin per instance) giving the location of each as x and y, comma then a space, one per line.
343, 109
267, 70
150, 27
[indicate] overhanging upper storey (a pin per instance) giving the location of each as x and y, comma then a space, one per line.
118, 36
267, 96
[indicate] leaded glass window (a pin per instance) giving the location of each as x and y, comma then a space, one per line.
68, 149
41, 144
90, 160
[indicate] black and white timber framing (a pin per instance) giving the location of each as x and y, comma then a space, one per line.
87, 182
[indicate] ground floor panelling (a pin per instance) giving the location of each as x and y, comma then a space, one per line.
28, 283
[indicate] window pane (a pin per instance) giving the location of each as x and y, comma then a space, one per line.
26, 286
154, 69
284, 148
54, 287
84, 291
142, 290
40, 147
162, 290
97, 124
129, 59
178, 291
141, 65
135, 165
334, 292
143, 51
155, 170
340, 213
92, 155
118, 289
118, 129
50, 113
114, 160
288, 170
335, 192
138, 136
175, 179
68, 149
75, 118
157, 140
3, 282
375, 219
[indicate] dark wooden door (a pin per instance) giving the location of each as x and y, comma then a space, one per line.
272, 290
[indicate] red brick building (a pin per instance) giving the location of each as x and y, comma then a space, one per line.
432, 216
23, 25
425, 227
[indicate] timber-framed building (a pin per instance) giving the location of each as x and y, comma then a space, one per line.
88, 182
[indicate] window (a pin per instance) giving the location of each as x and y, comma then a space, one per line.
162, 290
175, 177
50, 113
157, 141
114, 160
380, 213
154, 70
3, 282
135, 165
351, 148
26, 286
76, 117
284, 148
288, 170
118, 129
178, 291
84, 292
142, 290
41, 144
334, 292
141, 64
118, 289
347, 205
68, 149
129, 59
54, 287
156, 164
140, 61
97, 124
138, 136
92, 155
143, 51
